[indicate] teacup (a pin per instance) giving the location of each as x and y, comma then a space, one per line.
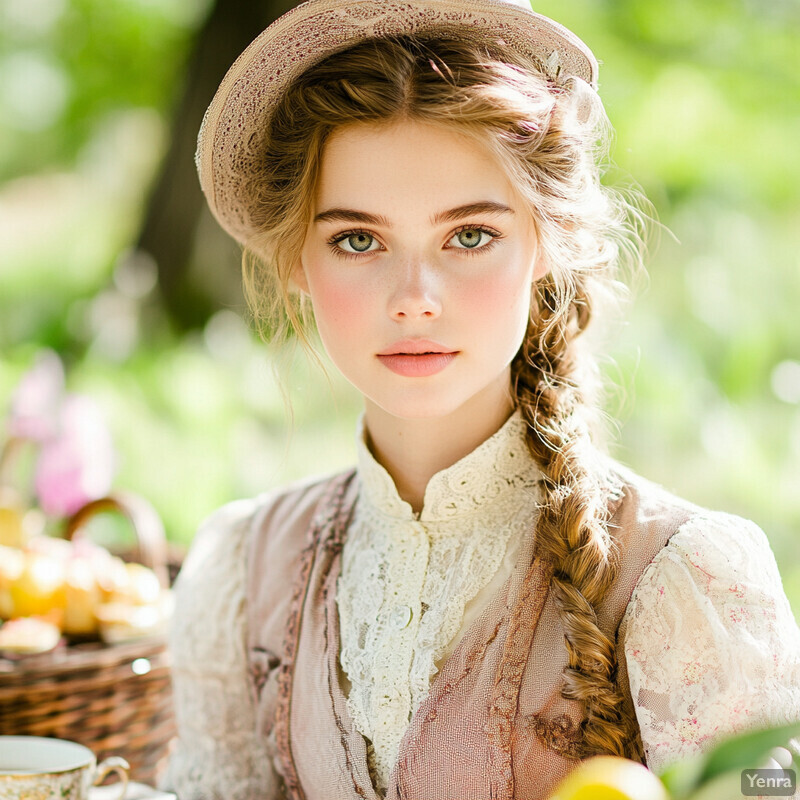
35, 768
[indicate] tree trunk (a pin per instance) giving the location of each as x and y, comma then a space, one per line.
176, 203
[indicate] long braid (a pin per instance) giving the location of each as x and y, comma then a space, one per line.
571, 528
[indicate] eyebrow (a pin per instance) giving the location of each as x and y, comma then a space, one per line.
453, 214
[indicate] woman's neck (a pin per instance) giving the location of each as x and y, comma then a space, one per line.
413, 450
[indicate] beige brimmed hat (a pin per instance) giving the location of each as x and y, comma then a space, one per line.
233, 137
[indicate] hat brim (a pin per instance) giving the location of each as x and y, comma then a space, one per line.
232, 136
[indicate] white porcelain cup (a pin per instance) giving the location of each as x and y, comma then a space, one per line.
35, 768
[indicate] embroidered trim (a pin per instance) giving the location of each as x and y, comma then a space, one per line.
516, 650
329, 507
260, 663
559, 734
435, 698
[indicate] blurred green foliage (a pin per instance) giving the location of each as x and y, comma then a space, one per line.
69, 66
705, 99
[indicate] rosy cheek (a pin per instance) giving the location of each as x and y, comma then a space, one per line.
495, 293
338, 306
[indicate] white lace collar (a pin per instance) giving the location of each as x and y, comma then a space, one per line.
501, 463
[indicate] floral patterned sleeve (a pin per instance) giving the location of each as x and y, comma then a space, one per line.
711, 644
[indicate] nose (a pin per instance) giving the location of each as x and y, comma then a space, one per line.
415, 291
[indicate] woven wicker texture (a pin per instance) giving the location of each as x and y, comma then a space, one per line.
114, 699
93, 694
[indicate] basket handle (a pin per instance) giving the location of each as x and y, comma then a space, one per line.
146, 524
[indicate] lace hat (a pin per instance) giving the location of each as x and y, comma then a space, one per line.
233, 135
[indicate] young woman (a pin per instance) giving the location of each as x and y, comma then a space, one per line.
486, 598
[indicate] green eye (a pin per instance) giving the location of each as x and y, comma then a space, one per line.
360, 242
470, 237
357, 242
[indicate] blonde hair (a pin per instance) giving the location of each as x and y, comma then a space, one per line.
549, 136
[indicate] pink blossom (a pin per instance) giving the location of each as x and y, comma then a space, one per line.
34, 404
77, 464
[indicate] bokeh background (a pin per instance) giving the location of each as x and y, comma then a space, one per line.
109, 257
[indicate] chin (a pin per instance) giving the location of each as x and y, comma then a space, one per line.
420, 407
416, 413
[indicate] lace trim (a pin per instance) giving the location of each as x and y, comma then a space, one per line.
405, 583
500, 463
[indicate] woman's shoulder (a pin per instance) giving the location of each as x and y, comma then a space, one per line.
211, 585
688, 524
676, 524
718, 552
223, 535
285, 508
644, 498
286, 512
713, 563
676, 546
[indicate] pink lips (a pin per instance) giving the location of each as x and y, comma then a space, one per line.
416, 358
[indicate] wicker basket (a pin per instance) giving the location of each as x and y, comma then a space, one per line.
115, 699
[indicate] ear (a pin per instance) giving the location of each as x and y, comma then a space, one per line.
298, 278
542, 265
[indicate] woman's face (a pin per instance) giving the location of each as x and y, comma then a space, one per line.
397, 263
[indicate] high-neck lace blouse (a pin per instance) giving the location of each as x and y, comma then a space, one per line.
411, 584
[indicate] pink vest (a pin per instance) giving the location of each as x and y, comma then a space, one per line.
494, 724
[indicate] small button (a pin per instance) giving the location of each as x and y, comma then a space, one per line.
401, 616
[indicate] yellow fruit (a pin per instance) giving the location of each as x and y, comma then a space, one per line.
34, 522
82, 598
610, 778
12, 563
39, 588
111, 575
12, 533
